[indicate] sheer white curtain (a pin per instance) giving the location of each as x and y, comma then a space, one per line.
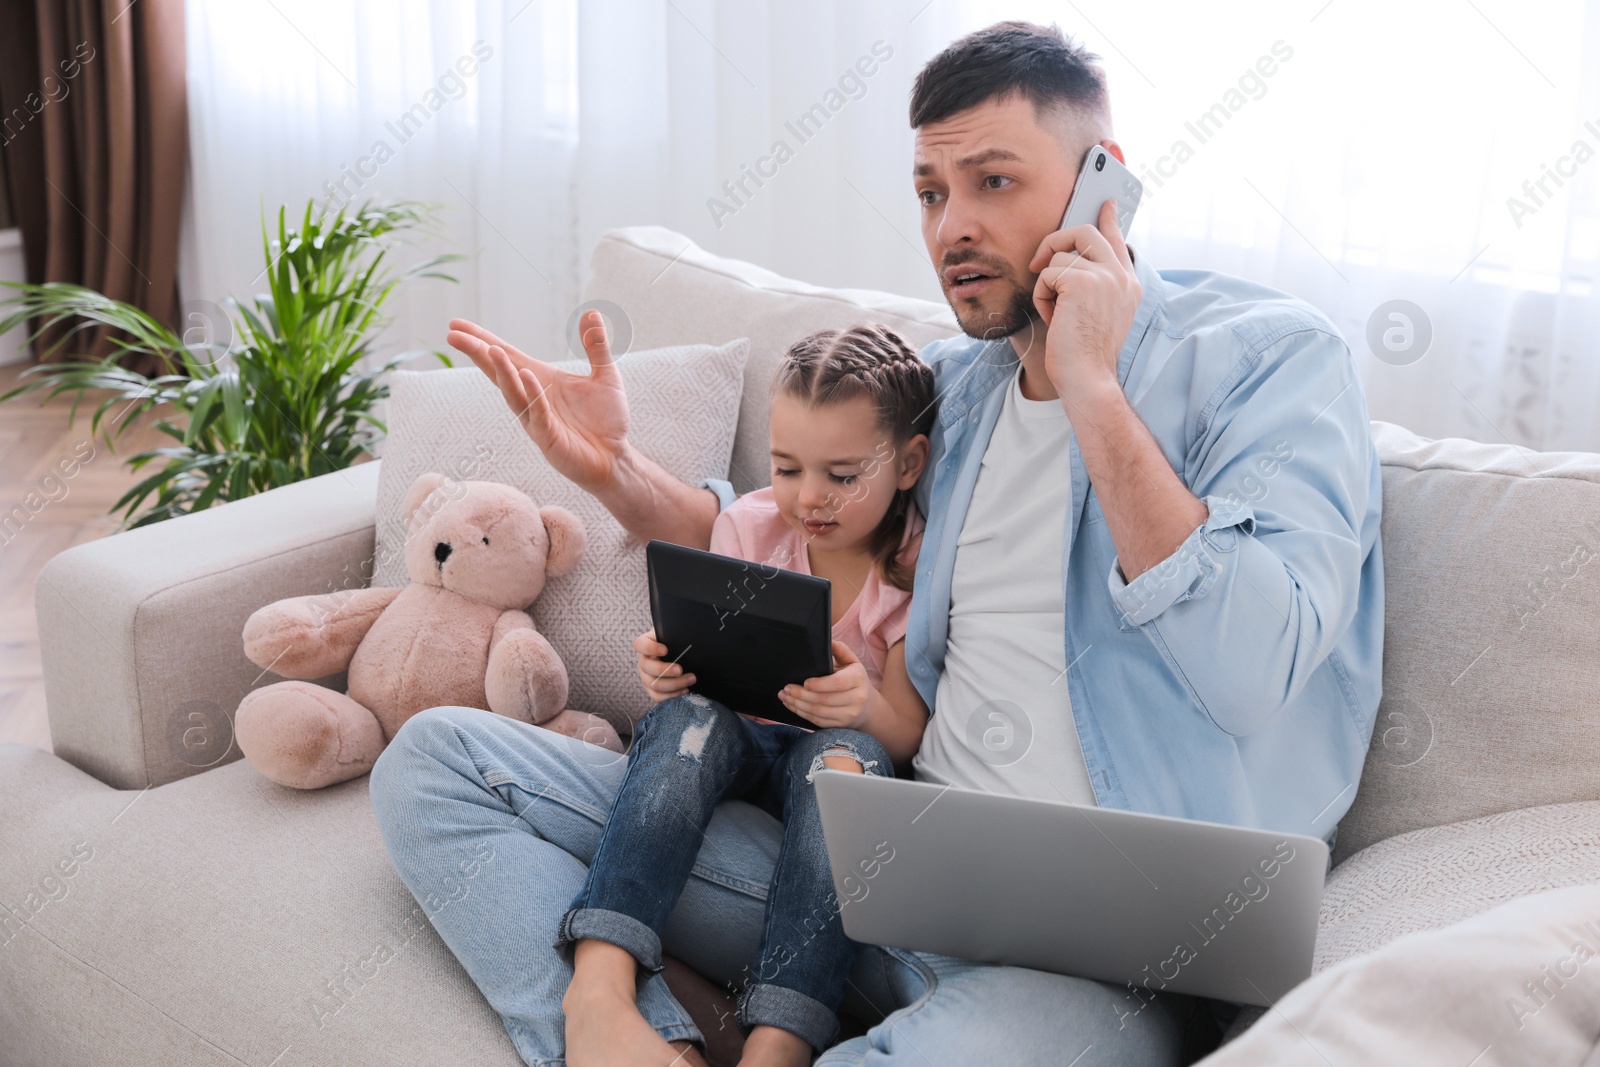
588, 116
1352, 152
769, 130
1376, 163
468, 105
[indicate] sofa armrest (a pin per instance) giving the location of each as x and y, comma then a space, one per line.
140, 633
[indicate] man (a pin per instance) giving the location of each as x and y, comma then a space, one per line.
1150, 580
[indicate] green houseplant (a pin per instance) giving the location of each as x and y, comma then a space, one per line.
291, 399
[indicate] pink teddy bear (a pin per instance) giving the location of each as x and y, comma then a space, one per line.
477, 554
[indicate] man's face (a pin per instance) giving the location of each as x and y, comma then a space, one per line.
994, 180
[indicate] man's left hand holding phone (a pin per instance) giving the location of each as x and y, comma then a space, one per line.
1086, 278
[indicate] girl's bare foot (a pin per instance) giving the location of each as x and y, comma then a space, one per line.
604, 1027
768, 1046
688, 1055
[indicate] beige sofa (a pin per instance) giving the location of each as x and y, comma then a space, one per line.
163, 904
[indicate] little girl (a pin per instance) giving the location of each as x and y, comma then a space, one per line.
850, 415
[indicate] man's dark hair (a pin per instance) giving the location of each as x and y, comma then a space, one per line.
1009, 57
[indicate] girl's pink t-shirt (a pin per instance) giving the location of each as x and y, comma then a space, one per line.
751, 528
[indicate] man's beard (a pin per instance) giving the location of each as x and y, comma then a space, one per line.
1018, 314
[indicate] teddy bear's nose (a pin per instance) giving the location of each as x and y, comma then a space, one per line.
441, 552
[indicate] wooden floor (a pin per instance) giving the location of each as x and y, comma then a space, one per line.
33, 438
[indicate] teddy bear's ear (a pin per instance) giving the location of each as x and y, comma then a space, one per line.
419, 492
567, 538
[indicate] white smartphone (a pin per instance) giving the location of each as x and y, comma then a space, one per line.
1103, 178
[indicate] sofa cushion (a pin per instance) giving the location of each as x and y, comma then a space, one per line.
219, 919
1491, 680
682, 406
673, 292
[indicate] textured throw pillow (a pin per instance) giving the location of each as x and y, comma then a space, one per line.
683, 404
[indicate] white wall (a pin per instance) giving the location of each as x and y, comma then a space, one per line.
11, 348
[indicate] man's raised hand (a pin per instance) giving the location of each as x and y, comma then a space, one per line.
579, 421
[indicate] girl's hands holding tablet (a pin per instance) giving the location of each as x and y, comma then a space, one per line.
662, 679
839, 699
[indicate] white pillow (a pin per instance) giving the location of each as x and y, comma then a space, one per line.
683, 404
1518, 984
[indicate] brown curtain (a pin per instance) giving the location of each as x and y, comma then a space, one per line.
94, 122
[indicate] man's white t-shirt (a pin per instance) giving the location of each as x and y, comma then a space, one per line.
1002, 719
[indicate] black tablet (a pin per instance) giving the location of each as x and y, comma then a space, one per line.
743, 630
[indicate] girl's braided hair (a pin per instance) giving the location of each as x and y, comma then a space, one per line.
833, 366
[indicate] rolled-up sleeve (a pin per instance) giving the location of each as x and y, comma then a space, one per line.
1190, 571
1250, 604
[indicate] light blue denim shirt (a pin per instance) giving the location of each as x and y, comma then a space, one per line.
1238, 680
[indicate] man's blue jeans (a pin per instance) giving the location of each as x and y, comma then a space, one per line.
490, 823
689, 752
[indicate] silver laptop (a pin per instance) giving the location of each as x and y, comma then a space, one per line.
1155, 902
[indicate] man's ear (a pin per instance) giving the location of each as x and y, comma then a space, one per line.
913, 458
1115, 149
418, 494
567, 539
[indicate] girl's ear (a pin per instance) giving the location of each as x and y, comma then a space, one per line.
567, 539
913, 458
